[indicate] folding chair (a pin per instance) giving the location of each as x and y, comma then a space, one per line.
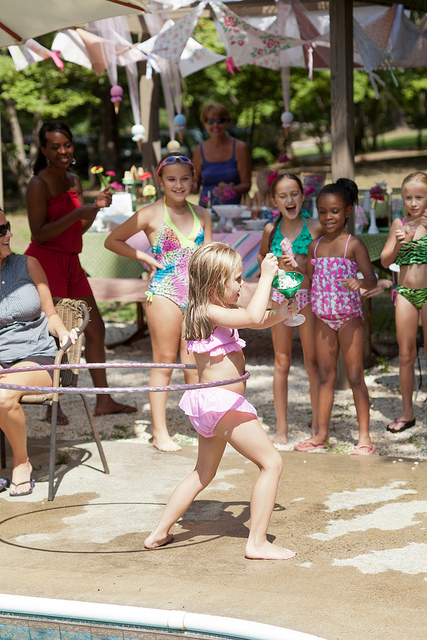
73, 313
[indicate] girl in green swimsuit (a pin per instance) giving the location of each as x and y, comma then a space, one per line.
407, 246
295, 224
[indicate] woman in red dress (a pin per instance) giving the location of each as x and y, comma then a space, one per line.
58, 218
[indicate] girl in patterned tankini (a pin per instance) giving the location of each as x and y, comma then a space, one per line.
334, 261
174, 228
407, 246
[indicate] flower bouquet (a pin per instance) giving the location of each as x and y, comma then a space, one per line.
105, 178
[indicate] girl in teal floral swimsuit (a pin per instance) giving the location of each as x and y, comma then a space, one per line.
174, 229
407, 246
295, 224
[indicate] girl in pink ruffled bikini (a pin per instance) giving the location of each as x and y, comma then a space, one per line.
221, 414
334, 261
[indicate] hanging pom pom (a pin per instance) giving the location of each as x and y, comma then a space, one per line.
287, 119
180, 121
116, 93
138, 134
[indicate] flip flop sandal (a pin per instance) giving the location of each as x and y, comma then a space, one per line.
32, 482
406, 425
363, 450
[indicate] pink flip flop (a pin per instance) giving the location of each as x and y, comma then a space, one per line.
301, 446
363, 450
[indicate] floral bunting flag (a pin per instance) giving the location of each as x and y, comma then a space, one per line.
171, 43
246, 43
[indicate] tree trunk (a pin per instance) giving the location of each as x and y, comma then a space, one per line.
109, 143
17, 161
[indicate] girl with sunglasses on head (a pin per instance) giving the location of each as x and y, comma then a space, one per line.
174, 229
221, 161
58, 219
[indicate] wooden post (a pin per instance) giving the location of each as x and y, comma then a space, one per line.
149, 92
342, 108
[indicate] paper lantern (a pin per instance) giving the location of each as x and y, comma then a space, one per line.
116, 93
180, 121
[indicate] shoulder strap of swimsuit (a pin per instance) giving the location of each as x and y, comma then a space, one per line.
403, 220
234, 148
185, 242
201, 151
346, 245
317, 244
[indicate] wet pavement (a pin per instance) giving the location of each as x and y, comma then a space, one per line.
358, 525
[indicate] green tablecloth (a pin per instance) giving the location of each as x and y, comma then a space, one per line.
98, 262
374, 244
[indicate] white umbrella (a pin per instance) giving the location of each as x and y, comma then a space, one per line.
21, 20
24, 19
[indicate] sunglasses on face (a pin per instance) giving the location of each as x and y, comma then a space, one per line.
4, 228
174, 160
215, 120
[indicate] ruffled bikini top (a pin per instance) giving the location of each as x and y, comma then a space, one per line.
414, 252
301, 242
219, 343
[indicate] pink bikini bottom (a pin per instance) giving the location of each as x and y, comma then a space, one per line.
206, 407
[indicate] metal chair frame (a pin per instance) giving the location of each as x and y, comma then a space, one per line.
73, 313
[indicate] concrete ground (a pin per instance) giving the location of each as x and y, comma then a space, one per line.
358, 525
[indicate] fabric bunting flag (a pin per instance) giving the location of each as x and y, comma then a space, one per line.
32, 52
72, 47
246, 43
195, 57
372, 54
171, 43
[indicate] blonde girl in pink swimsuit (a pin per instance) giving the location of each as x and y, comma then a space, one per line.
334, 261
221, 414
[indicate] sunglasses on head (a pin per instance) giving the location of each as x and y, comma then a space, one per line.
4, 228
215, 120
174, 160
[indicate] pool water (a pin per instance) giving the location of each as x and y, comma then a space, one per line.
17, 628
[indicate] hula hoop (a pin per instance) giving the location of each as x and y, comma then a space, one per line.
112, 365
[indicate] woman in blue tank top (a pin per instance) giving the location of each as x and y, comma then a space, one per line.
222, 160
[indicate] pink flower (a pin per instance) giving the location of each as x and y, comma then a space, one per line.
110, 173
117, 186
309, 191
240, 43
271, 178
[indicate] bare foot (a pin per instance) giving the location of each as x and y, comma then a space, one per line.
152, 542
21, 479
280, 438
166, 444
105, 405
268, 551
